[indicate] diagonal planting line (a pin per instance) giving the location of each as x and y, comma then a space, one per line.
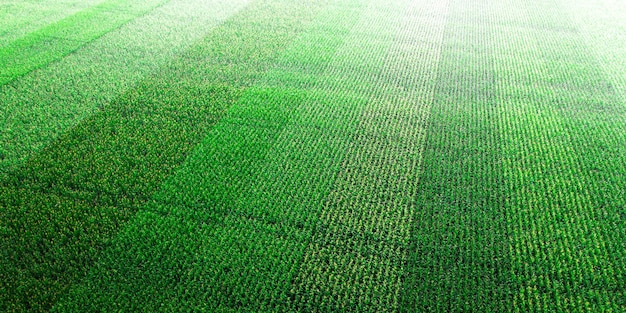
226, 232
90, 181
59, 39
43, 104
131, 145
231, 225
19, 18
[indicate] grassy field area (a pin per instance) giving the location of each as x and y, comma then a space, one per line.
313, 156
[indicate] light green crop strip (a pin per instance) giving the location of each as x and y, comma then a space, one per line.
563, 147
355, 259
43, 104
213, 223
59, 39
19, 18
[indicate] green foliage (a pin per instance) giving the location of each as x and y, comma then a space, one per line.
56, 40
49, 241
234, 267
46, 103
561, 154
15, 23
127, 149
312, 156
120, 156
457, 258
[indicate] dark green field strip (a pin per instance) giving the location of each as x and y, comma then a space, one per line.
355, 260
56, 40
130, 152
143, 269
259, 184
564, 145
458, 258
121, 155
47, 242
40, 106
240, 260
18, 18
130, 136
130, 147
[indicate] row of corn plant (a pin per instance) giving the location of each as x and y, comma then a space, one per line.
111, 162
356, 256
54, 41
15, 24
458, 260
43, 104
243, 206
562, 137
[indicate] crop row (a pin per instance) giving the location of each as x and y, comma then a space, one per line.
40, 106
15, 24
457, 258
62, 37
322, 156
261, 188
118, 157
253, 188
356, 257
561, 148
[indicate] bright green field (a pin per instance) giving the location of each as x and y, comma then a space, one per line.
313, 156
